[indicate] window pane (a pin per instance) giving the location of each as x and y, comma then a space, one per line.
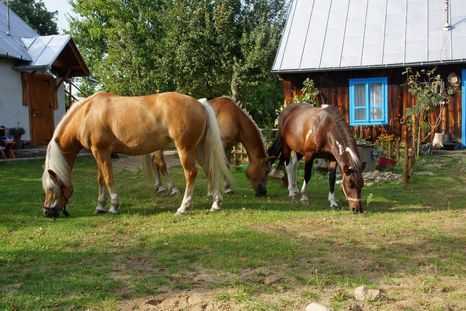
359, 95
360, 114
376, 94
376, 114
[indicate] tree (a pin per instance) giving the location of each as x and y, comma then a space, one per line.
36, 15
198, 47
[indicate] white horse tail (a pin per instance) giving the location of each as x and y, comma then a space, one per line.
211, 154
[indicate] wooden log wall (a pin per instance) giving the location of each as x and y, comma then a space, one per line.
334, 87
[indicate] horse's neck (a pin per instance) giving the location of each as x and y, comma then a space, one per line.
339, 148
251, 139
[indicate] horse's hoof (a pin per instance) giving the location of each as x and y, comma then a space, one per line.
215, 208
229, 191
181, 211
100, 211
292, 198
174, 191
160, 190
304, 201
333, 206
113, 210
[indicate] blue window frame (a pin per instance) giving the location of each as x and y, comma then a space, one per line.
368, 101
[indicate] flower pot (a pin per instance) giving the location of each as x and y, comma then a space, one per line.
386, 162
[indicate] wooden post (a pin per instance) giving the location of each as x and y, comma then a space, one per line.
406, 160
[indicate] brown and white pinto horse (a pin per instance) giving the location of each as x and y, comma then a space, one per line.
319, 133
236, 126
106, 124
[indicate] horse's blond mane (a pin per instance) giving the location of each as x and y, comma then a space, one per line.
344, 131
54, 158
248, 115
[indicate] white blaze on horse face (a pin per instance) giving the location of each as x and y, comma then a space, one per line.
340, 147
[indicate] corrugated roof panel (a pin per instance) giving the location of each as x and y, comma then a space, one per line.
316, 35
332, 48
354, 36
11, 45
394, 32
458, 21
374, 33
416, 31
294, 47
284, 38
50, 48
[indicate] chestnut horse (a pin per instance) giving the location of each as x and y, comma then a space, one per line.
106, 124
236, 126
319, 133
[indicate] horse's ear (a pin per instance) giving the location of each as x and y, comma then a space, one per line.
54, 177
363, 166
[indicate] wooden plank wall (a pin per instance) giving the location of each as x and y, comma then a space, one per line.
334, 87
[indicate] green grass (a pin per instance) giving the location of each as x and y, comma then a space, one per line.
410, 243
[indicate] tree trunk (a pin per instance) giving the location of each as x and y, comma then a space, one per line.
235, 92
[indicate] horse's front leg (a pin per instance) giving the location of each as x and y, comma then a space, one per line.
104, 164
102, 199
190, 173
308, 161
291, 167
331, 184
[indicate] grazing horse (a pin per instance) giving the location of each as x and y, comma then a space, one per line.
319, 133
236, 126
107, 124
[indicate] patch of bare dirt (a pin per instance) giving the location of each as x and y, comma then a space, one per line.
134, 163
189, 300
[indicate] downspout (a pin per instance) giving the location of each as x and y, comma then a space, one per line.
8, 17
447, 25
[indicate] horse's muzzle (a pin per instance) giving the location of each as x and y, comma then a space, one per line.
357, 210
51, 212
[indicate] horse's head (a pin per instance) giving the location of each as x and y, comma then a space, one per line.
56, 194
257, 174
352, 185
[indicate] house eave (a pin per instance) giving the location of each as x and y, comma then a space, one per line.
369, 67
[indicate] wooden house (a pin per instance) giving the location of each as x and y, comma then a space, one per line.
356, 51
32, 71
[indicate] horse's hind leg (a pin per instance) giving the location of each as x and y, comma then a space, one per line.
308, 161
190, 173
331, 184
162, 172
102, 200
227, 185
291, 167
104, 164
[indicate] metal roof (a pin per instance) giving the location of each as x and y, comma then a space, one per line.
10, 44
355, 34
44, 50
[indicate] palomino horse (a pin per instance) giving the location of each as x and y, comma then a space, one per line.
319, 133
105, 124
236, 126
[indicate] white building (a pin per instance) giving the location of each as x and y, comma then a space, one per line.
33, 69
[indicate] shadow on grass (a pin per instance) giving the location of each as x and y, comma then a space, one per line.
36, 279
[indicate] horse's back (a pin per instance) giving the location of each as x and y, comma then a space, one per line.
140, 124
227, 113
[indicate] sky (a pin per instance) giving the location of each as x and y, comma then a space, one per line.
63, 8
